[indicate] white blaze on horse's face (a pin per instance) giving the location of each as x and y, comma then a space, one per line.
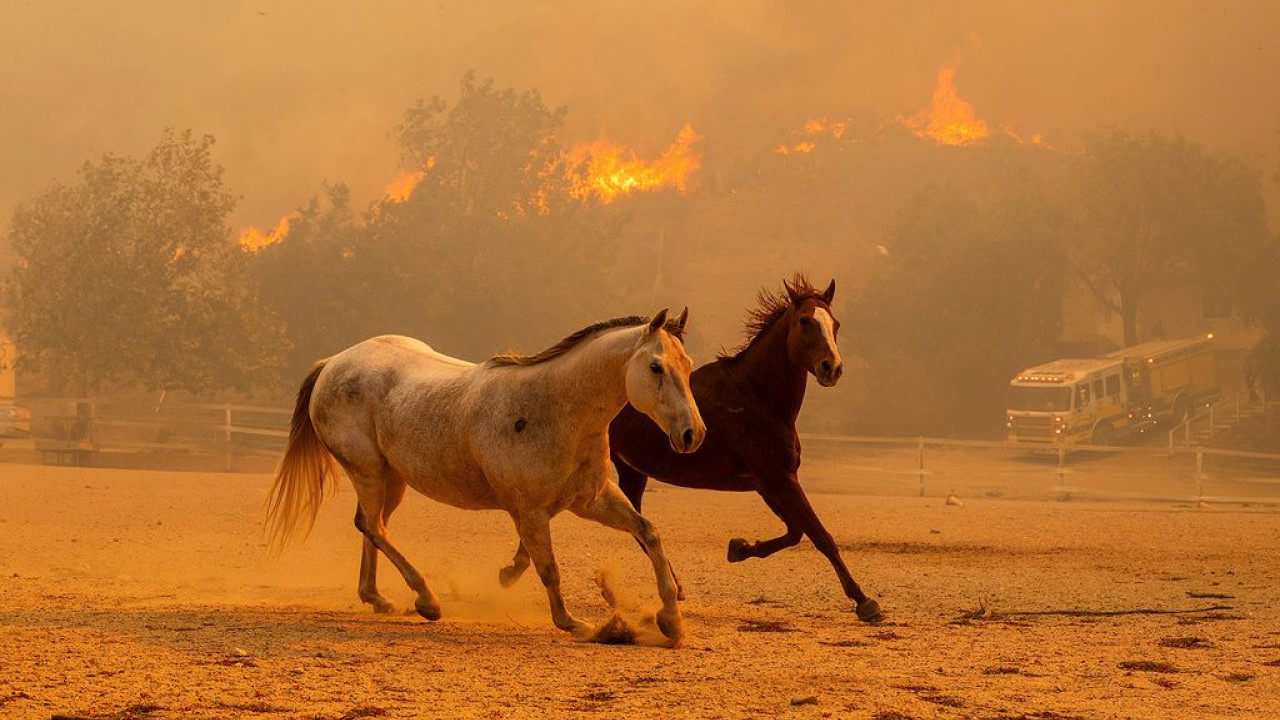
658, 385
812, 339
829, 369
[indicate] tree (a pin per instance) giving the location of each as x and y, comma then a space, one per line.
312, 281
489, 248
1157, 210
966, 295
130, 275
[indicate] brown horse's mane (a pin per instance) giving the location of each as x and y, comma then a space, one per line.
572, 341
771, 307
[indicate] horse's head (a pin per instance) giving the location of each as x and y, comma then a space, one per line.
658, 382
811, 337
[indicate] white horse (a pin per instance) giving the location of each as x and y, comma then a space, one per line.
524, 434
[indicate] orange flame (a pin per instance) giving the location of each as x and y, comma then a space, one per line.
252, 239
613, 170
949, 119
815, 128
402, 185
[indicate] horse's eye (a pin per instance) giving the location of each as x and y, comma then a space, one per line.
806, 321
655, 368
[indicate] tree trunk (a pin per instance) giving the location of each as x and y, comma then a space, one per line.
1129, 316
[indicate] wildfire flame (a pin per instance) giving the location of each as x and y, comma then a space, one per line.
813, 129
402, 185
949, 119
614, 170
611, 171
252, 239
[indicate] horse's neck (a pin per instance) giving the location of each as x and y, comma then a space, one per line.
766, 366
592, 377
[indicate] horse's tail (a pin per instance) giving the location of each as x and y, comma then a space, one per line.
305, 473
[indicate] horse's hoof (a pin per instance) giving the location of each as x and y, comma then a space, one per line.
508, 575
869, 611
671, 626
430, 612
382, 607
738, 550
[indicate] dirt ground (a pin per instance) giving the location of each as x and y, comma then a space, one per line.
144, 594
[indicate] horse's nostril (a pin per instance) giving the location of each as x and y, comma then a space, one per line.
688, 438
826, 366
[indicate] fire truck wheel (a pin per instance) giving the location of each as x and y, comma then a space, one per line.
1104, 435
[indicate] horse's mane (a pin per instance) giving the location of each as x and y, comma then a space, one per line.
576, 338
770, 307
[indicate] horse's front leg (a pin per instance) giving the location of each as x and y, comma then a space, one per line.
790, 497
534, 528
612, 509
740, 549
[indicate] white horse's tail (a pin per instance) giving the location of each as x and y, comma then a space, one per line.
305, 473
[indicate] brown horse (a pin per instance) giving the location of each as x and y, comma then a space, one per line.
749, 401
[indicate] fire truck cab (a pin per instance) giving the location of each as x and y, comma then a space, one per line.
1097, 401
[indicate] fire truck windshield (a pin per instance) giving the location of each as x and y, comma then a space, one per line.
1040, 399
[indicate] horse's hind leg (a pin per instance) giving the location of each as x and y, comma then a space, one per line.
508, 575
612, 509
534, 528
368, 587
373, 490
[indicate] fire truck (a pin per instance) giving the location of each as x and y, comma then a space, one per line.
1101, 400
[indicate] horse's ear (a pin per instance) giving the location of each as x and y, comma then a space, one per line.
682, 319
791, 290
830, 292
658, 320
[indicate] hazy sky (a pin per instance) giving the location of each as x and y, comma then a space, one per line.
300, 91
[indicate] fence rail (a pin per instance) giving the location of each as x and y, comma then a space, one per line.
940, 466
78, 432
74, 432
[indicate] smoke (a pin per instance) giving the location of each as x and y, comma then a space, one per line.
299, 92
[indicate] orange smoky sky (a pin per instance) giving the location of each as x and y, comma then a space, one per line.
300, 92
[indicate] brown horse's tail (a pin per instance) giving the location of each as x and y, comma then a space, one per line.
305, 473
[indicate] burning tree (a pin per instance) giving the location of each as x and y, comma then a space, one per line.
487, 229
130, 275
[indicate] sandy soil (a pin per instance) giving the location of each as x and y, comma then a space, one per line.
131, 594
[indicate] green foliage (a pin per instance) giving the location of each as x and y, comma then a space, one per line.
130, 276
1154, 210
966, 296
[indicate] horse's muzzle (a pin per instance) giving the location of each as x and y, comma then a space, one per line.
828, 372
688, 440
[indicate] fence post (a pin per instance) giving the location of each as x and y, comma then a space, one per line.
1062, 471
226, 433
922, 467
1199, 475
